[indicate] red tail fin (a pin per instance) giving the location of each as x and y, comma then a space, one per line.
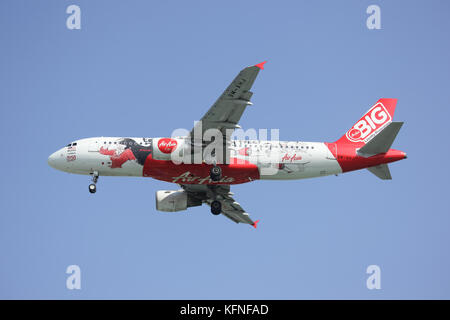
371, 123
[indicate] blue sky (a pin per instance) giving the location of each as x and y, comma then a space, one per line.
144, 68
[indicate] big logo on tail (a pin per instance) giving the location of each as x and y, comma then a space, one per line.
370, 124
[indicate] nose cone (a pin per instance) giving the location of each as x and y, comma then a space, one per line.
52, 159
56, 160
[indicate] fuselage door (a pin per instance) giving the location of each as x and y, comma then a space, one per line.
94, 146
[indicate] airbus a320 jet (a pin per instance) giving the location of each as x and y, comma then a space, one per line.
366, 145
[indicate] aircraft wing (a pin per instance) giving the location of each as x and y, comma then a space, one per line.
230, 208
226, 112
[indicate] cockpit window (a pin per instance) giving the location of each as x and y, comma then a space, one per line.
74, 144
69, 144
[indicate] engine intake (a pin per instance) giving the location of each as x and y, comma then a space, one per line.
171, 201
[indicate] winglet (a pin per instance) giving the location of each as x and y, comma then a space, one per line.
255, 224
261, 65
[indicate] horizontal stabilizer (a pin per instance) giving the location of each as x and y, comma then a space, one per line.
381, 171
382, 142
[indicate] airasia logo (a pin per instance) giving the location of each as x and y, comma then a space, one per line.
167, 145
354, 134
188, 177
376, 118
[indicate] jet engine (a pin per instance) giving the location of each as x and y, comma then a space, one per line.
172, 201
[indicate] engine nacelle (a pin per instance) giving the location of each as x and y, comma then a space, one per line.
171, 201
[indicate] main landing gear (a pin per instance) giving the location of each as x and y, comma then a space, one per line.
92, 186
215, 173
216, 207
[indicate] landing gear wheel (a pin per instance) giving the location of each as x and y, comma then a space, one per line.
215, 173
216, 207
92, 188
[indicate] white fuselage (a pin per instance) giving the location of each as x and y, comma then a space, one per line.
111, 156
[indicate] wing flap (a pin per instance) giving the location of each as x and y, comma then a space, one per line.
233, 210
226, 112
230, 207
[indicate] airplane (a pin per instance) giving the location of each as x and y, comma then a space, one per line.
366, 145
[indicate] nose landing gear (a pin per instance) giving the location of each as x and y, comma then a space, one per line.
92, 186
